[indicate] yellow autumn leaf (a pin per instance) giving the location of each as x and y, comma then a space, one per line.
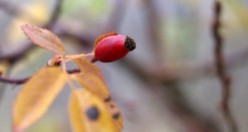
36, 96
75, 114
94, 115
91, 79
44, 38
115, 113
93, 84
87, 67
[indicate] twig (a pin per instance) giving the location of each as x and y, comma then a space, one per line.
13, 81
225, 79
23, 80
142, 73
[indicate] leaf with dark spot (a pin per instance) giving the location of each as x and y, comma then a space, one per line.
108, 99
116, 116
92, 113
94, 116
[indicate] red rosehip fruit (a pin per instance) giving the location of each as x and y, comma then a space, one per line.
112, 47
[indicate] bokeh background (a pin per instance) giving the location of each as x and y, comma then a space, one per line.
168, 84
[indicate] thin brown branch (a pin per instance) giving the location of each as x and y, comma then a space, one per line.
23, 80
13, 81
221, 71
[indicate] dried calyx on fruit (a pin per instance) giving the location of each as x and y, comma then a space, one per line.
111, 47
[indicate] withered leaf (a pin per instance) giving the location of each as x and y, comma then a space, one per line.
43, 38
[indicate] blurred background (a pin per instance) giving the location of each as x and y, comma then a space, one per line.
168, 84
